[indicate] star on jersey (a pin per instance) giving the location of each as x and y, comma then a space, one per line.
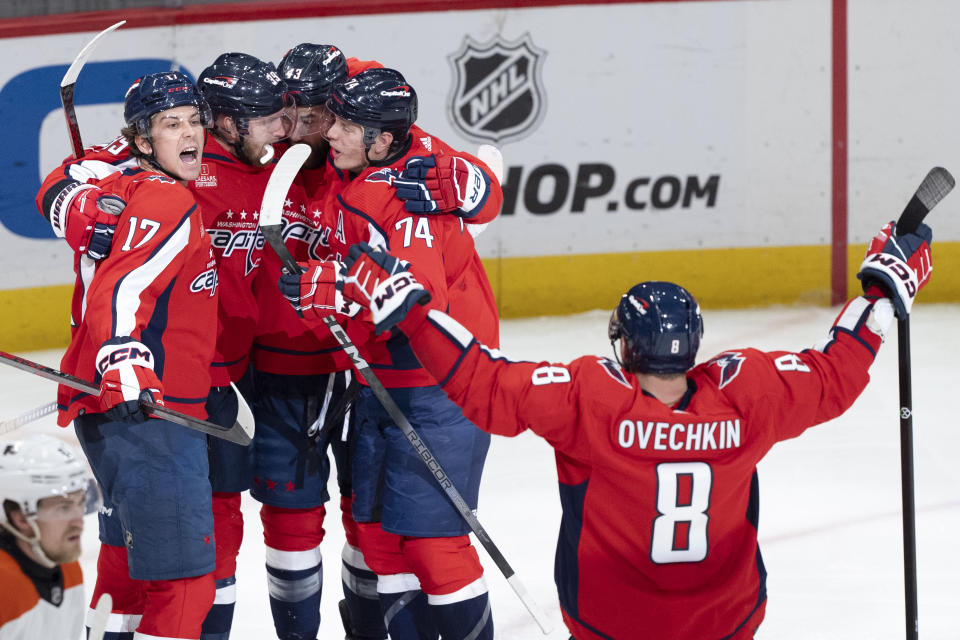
729, 364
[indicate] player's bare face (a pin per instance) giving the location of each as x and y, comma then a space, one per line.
60, 521
177, 138
346, 145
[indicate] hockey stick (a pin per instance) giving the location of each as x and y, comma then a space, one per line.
100, 616
935, 186
69, 82
26, 418
240, 432
271, 212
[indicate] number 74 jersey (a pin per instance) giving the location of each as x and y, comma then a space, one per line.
659, 531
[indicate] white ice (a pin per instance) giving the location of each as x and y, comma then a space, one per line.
830, 523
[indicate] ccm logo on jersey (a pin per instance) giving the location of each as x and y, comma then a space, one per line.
206, 280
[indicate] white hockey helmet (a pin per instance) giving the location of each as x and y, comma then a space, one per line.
42, 466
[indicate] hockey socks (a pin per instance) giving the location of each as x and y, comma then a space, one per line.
360, 608
294, 573
405, 610
228, 531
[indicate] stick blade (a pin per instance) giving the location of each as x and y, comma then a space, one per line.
934, 188
70, 77
282, 176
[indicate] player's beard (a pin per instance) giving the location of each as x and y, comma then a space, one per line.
66, 549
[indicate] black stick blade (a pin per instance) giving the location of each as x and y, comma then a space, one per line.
934, 188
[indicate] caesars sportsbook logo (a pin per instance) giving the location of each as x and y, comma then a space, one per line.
497, 92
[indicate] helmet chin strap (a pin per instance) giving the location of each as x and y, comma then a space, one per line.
39, 554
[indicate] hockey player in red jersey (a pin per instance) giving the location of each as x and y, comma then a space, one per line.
656, 457
409, 533
304, 390
143, 324
252, 113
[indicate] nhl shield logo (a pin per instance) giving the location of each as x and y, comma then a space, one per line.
498, 95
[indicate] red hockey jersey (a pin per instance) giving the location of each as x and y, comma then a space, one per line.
440, 249
158, 286
659, 531
229, 193
285, 344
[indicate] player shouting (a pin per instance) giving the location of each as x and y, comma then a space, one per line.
144, 322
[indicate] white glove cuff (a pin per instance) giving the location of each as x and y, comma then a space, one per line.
474, 186
114, 356
390, 294
895, 273
61, 205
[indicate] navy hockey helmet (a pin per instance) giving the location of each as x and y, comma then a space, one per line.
377, 99
311, 71
661, 327
242, 86
157, 92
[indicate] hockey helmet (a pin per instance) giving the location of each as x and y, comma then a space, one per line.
661, 327
244, 87
377, 99
311, 71
157, 92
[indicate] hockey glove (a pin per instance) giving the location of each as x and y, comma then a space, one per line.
126, 376
86, 216
441, 185
313, 293
380, 282
900, 265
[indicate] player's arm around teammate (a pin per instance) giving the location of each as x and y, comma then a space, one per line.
144, 319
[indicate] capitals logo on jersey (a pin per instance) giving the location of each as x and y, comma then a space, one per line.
228, 235
730, 364
383, 175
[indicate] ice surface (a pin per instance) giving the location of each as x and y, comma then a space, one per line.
830, 526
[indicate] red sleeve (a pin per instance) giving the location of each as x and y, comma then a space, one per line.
355, 66
507, 397
491, 208
150, 241
793, 391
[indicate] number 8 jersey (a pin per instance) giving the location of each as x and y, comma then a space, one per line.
660, 504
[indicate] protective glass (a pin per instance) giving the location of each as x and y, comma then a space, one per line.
167, 124
72, 505
276, 126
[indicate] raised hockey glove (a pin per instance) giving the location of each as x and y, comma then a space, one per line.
126, 376
442, 185
899, 265
313, 293
383, 284
86, 217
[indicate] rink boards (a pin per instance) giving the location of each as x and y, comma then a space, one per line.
689, 141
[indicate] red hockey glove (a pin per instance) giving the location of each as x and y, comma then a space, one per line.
380, 282
126, 376
313, 293
86, 216
441, 185
900, 265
